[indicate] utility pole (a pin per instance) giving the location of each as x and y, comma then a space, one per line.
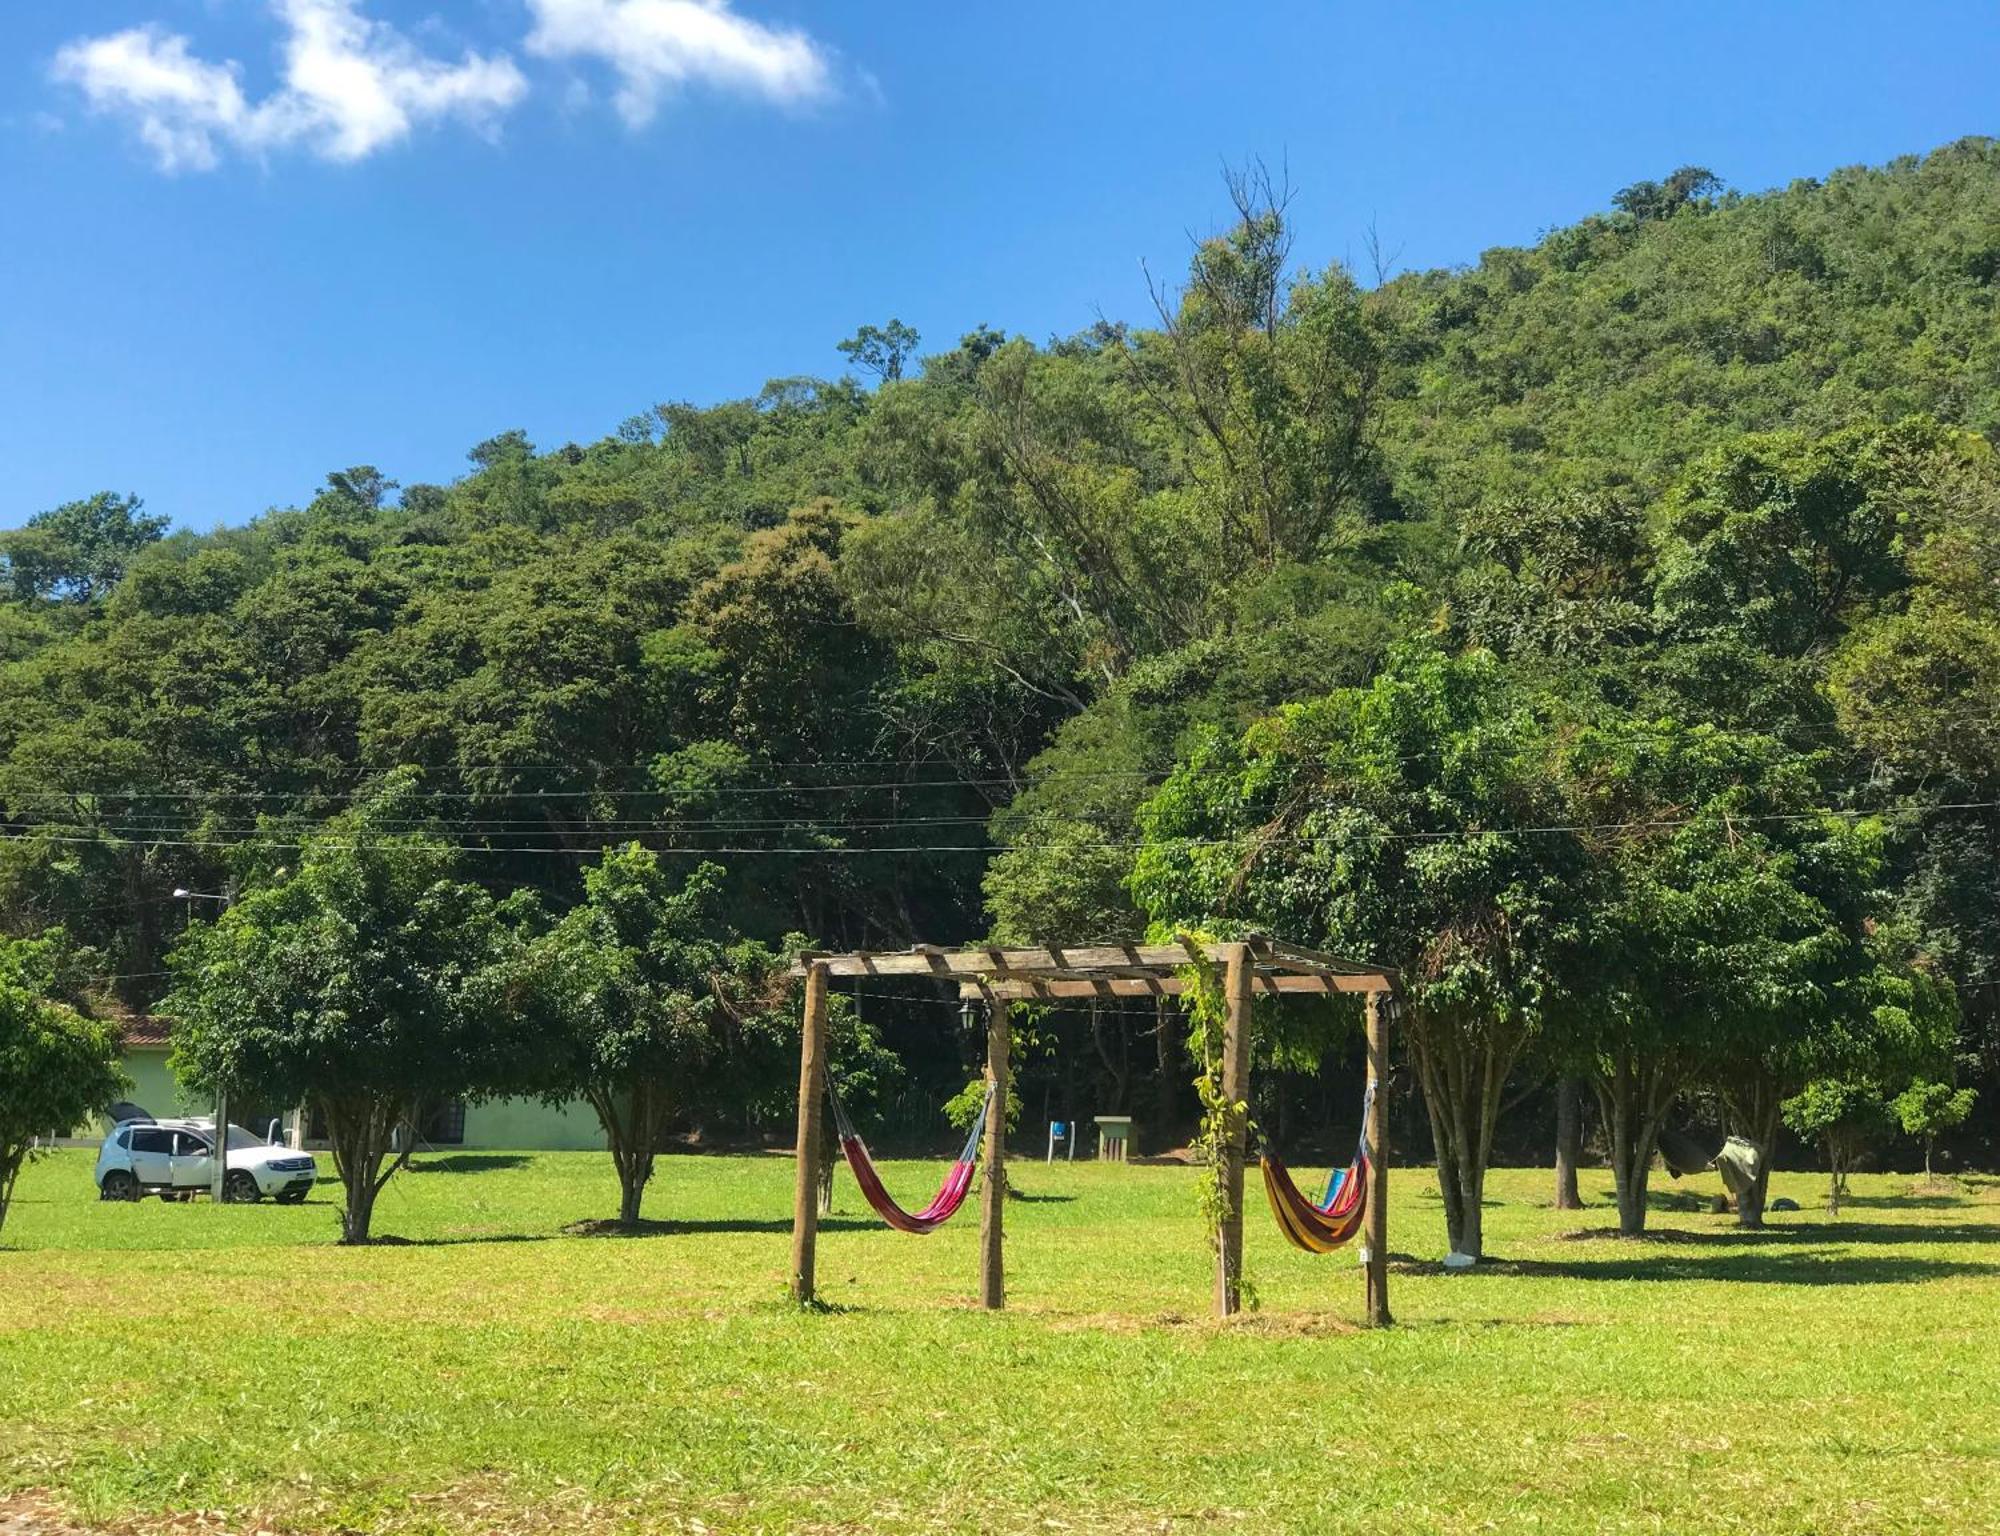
219, 1171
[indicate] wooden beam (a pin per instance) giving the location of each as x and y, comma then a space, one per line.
1297, 957
973, 963
993, 1194
1378, 1162
805, 1189
1236, 1093
1164, 986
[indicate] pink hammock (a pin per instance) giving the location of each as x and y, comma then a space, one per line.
951, 1194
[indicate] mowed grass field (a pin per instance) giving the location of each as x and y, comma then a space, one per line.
182, 1366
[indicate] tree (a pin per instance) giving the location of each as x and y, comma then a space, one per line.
57, 1067
1268, 383
882, 350
649, 1004
77, 552
1888, 1022
1724, 916
1687, 187
1926, 1110
1841, 1114
366, 983
362, 487
1569, 1142
1414, 823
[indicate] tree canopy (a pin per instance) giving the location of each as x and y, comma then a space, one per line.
1305, 597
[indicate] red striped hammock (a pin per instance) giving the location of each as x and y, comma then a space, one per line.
1317, 1228
1323, 1225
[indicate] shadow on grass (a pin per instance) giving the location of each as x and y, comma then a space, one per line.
469, 1162
1015, 1197
1818, 1233
1927, 1202
614, 1228
1674, 1200
1753, 1268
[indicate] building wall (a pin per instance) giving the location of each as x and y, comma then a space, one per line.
154, 1089
529, 1125
518, 1125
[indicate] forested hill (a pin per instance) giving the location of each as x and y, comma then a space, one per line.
1616, 349
1710, 457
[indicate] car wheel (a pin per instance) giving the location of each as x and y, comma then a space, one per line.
118, 1185
240, 1188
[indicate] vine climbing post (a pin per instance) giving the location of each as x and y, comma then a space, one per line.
1378, 1162
805, 1194
993, 1194
1236, 1094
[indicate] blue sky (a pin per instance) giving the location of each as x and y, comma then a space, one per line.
249, 241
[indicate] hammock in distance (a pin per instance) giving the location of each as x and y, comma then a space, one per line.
951, 1194
1320, 1226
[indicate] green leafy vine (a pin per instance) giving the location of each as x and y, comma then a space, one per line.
1207, 1023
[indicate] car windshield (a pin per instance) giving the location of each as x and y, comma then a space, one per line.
239, 1139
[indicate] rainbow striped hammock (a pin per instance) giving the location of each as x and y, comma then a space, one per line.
1320, 1226
951, 1194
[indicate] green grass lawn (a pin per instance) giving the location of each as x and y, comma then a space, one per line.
493, 1374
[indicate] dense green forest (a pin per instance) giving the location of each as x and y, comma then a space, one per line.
1606, 633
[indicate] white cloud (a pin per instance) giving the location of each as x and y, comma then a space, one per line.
657, 46
181, 104
352, 85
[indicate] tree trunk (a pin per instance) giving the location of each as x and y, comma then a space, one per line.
143, 959
1634, 1092
360, 1129
1463, 1070
11, 1159
1569, 1143
1842, 1151
1114, 1053
1167, 1055
1750, 1205
1469, 1175
1753, 1114
631, 1190
1631, 1172
632, 1116
357, 1217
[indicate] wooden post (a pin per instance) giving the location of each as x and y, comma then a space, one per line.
805, 1193
1236, 1089
1378, 1163
993, 1194
218, 1174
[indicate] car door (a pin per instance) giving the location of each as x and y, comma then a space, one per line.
151, 1150
194, 1162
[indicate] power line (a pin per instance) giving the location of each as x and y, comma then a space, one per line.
49, 789
1462, 834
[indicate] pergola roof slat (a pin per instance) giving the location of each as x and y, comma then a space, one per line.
1031, 989
1106, 970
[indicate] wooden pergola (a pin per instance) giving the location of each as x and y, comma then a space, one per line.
1052, 972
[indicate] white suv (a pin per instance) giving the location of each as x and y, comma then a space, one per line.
175, 1159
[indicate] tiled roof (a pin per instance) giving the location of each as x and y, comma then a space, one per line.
142, 1030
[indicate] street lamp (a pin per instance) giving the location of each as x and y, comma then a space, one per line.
219, 1175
